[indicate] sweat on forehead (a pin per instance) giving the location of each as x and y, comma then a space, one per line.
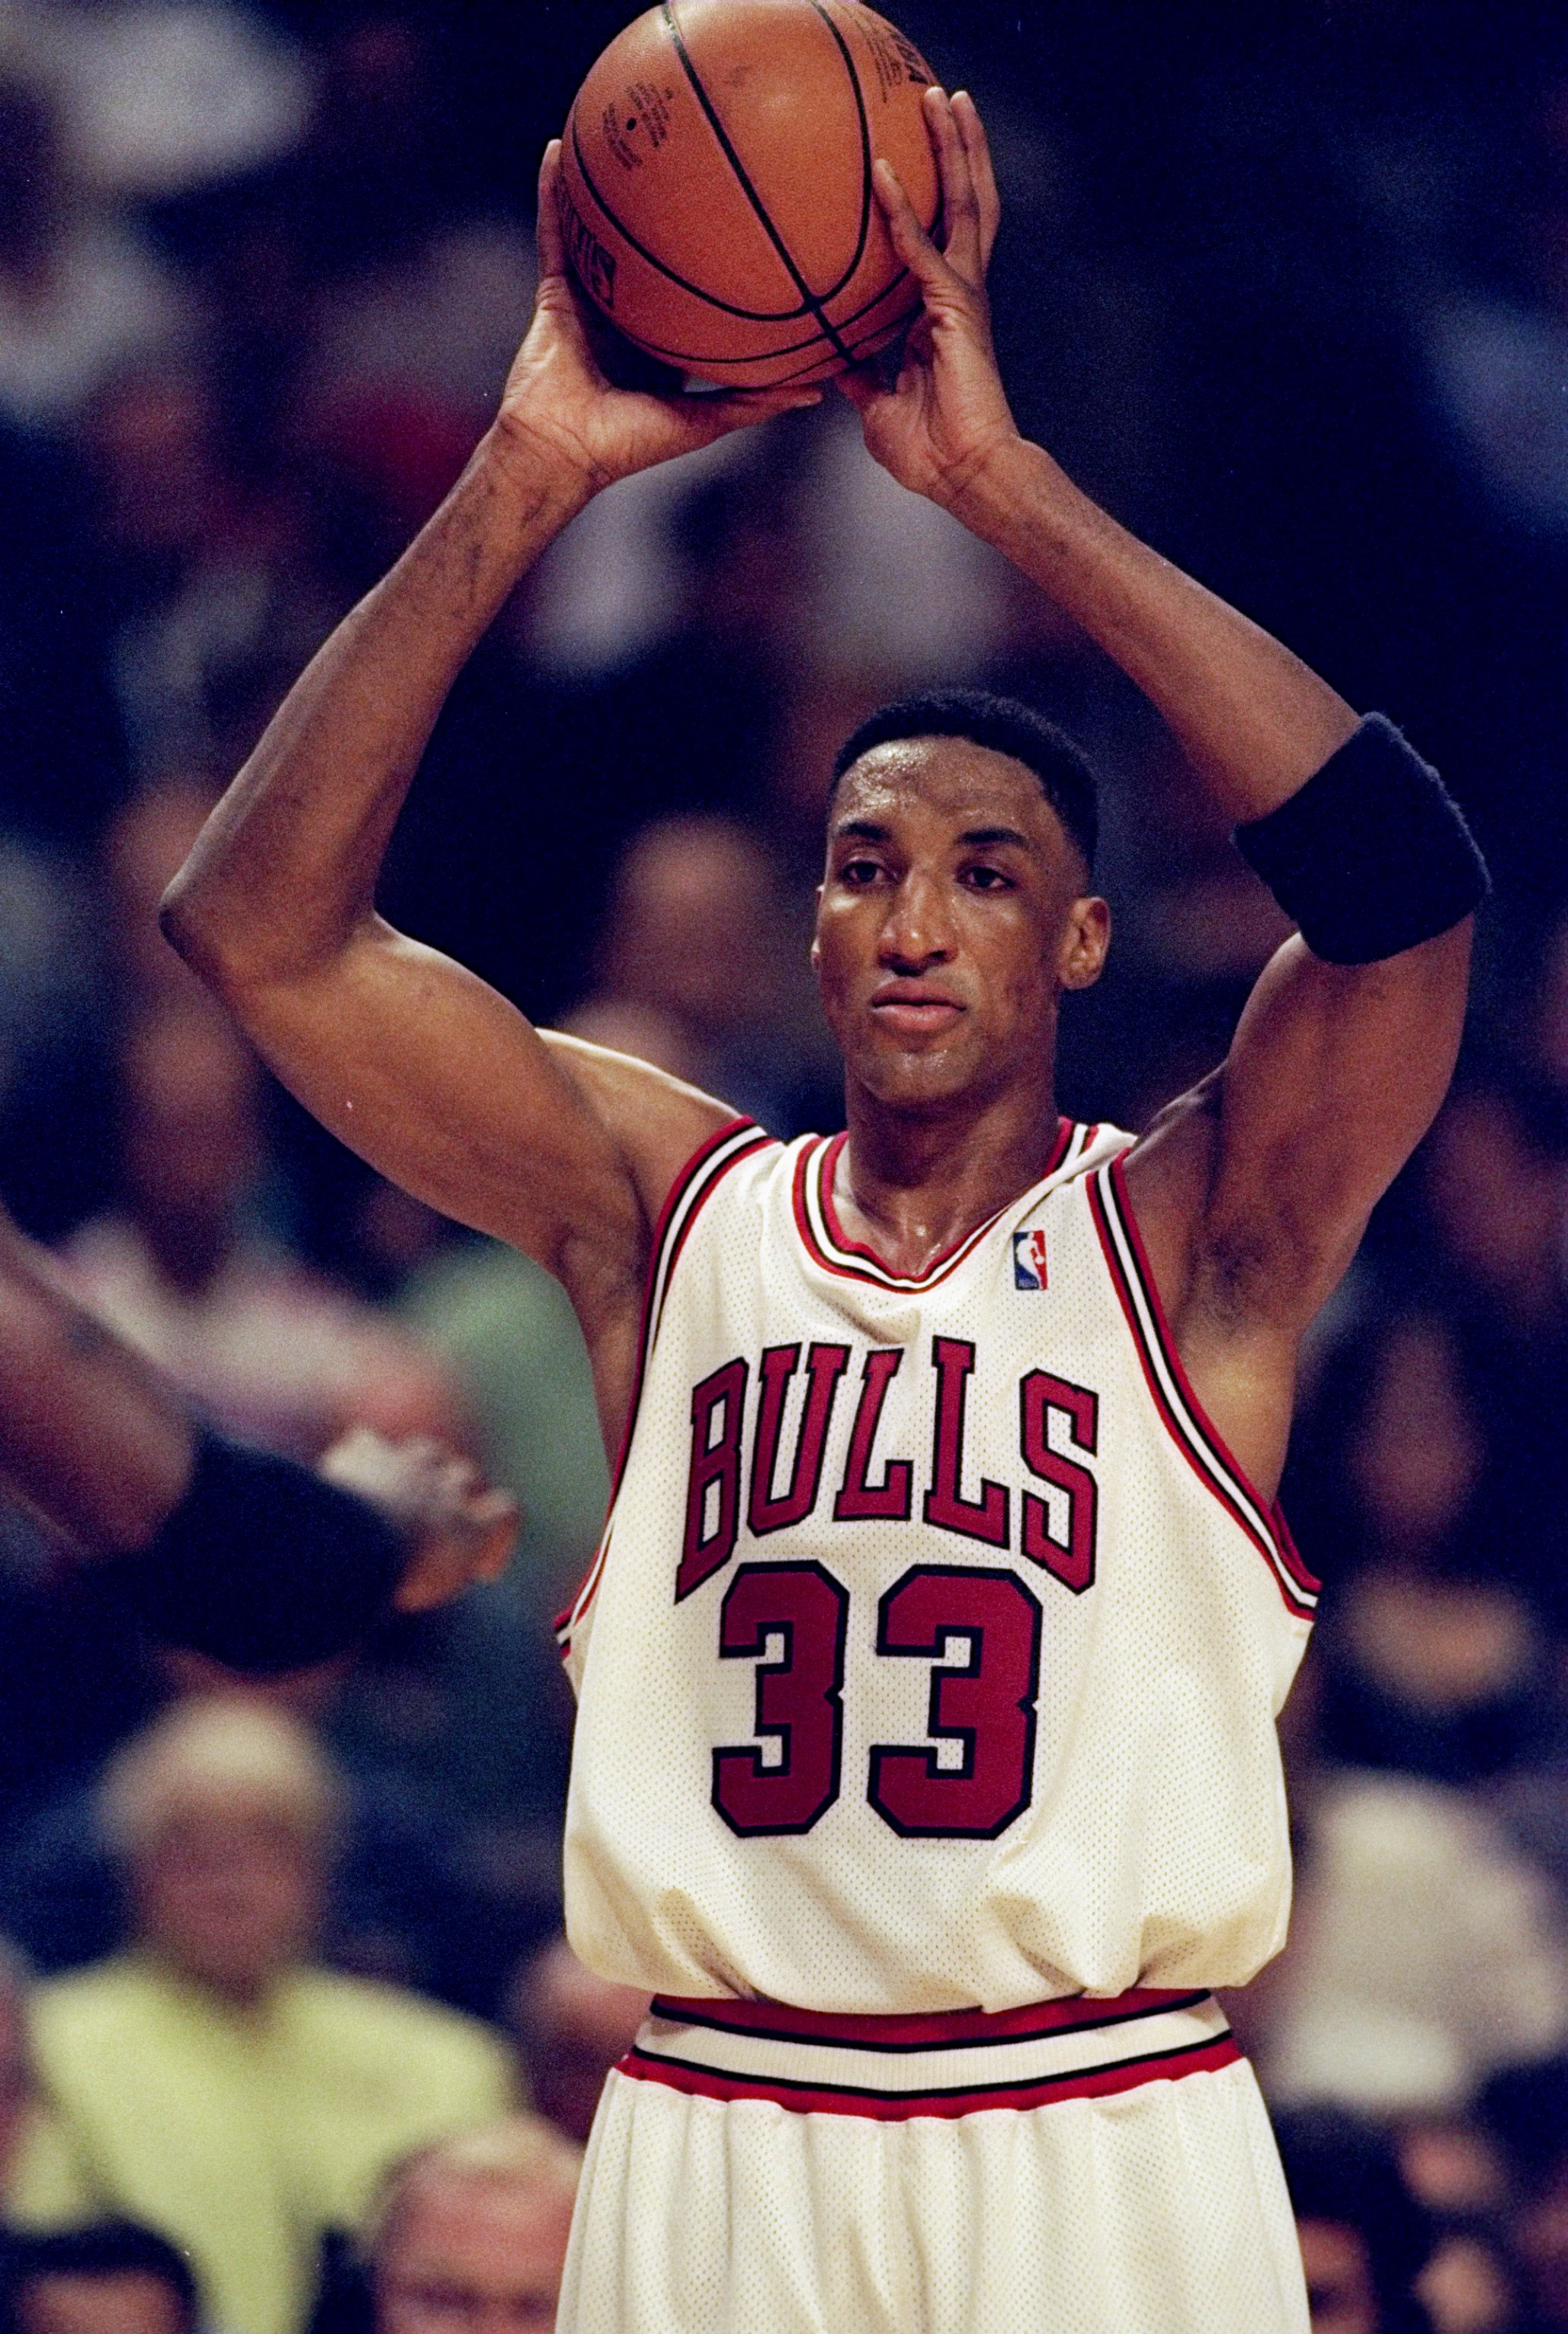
1001, 726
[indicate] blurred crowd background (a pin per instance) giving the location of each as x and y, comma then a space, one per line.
1288, 290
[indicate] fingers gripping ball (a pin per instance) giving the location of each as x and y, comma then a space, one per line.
716, 186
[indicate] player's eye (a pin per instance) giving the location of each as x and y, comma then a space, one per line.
859, 872
986, 879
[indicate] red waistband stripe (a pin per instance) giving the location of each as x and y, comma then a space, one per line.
941, 2030
953, 2064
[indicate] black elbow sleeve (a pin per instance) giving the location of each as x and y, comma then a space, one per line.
262, 1566
1373, 855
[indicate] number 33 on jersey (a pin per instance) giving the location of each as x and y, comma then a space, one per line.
932, 1654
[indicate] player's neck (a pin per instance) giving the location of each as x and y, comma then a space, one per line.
912, 1187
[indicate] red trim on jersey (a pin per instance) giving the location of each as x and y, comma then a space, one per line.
684, 1179
1295, 1561
940, 2029
903, 2107
823, 1162
1283, 1557
1221, 1449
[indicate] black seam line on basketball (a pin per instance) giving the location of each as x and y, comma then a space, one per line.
935, 2091
807, 371
911, 2049
813, 303
865, 226
710, 299
790, 348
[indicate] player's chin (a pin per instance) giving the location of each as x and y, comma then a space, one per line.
913, 1071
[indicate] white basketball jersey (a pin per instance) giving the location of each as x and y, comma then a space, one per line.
933, 1651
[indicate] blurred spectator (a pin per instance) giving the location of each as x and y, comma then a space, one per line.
1405, 1490
1364, 2239
902, 592
1526, 2108
509, 1332
408, 362
111, 2277
571, 2028
147, 842
268, 1347
225, 589
1478, 1975
211, 2081
62, 751
80, 296
17, 2089
159, 95
473, 2230
445, 1858
699, 963
1493, 1191
1499, 353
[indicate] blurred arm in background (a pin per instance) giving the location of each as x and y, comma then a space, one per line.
92, 1438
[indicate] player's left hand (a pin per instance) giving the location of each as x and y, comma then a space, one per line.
461, 1528
937, 424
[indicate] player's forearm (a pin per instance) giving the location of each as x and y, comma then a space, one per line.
1254, 720
88, 1433
286, 868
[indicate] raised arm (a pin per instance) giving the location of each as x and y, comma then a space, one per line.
558, 1147
1253, 1192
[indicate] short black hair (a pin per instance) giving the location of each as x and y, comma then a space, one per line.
1066, 777
103, 2248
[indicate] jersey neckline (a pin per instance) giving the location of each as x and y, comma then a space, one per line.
829, 1247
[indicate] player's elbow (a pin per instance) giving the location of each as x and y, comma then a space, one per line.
187, 924
221, 948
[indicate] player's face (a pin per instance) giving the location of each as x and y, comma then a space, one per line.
953, 914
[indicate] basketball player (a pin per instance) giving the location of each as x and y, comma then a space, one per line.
926, 1765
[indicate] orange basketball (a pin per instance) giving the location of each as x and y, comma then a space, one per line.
715, 185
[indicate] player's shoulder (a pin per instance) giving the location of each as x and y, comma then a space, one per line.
738, 1158
1084, 1147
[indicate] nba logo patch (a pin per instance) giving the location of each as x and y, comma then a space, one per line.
1029, 1260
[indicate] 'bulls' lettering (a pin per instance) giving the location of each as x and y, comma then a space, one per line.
717, 1414
1071, 1557
826, 1365
859, 1499
985, 1519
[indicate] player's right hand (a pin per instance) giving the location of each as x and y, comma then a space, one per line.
459, 1528
557, 400
936, 426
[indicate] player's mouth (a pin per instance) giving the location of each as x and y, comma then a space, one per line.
915, 1012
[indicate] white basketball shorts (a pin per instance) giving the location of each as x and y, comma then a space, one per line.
1076, 2167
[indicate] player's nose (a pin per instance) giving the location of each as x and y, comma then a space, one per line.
918, 931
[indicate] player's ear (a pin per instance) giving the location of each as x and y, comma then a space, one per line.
1085, 939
